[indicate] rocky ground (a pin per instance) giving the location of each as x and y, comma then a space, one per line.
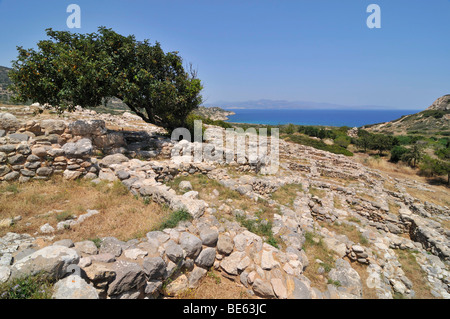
333, 228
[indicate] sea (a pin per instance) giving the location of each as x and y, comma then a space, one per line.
351, 118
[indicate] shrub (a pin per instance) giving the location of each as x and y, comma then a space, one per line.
174, 218
397, 152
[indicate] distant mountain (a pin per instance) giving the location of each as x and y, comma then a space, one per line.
213, 113
283, 104
435, 120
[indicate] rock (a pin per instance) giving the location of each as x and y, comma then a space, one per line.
52, 260
206, 257
297, 289
86, 247
347, 277
85, 262
230, 263
44, 171
398, 286
263, 289
357, 249
6, 222
225, 245
278, 288
74, 287
104, 258
123, 175
267, 260
8, 122
81, 148
107, 175
5, 272
177, 286
16, 159
129, 277
190, 244
52, 126
154, 267
6, 259
88, 127
71, 175
185, 185
153, 287
47, 229
113, 159
99, 274
39, 152
195, 276
19, 137
336, 246
174, 251
209, 237
191, 194
11, 176
111, 245
135, 253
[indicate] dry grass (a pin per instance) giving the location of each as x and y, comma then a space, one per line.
286, 194
368, 293
315, 248
414, 273
215, 286
121, 214
394, 208
440, 196
317, 192
348, 230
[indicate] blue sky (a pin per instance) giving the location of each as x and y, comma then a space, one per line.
319, 51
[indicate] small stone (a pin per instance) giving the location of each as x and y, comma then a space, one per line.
74, 287
47, 229
206, 257
185, 185
263, 288
86, 247
225, 245
135, 253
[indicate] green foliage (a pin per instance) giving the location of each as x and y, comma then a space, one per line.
342, 141
435, 166
304, 140
174, 218
73, 69
31, 287
260, 227
413, 155
437, 114
97, 241
64, 216
397, 153
288, 129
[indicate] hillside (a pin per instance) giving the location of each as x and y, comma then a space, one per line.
4, 82
435, 120
133, 210
213, 113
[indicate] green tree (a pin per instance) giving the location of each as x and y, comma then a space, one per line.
435, 166
364, 140
414, 155
381, 142
73, 69
397, 153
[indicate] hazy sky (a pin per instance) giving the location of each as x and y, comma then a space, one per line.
311, 50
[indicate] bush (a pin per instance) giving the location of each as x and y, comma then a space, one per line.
173, 219
397, 153
31, 287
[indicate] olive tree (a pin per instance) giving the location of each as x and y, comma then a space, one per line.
72, 69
